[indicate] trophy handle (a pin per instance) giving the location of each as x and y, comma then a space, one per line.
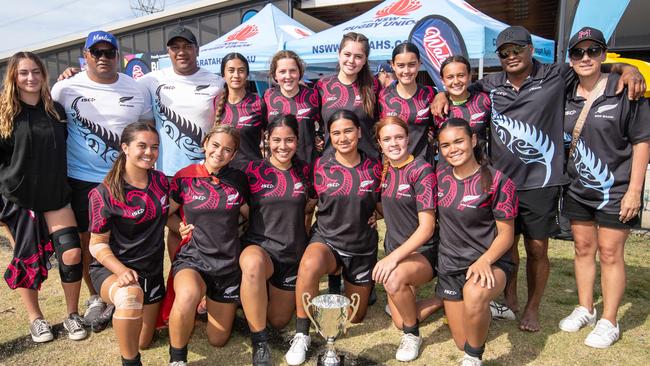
356, 299
306, 303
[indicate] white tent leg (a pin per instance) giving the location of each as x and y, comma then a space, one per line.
480, 68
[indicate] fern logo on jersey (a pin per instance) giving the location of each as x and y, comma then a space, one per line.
437, 38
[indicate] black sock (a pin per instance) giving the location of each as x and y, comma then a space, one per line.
334, 284
414, 329
132, 362
261, 336
177, 354
474, 352
302, 325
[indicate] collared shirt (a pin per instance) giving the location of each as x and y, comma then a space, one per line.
183, 107
526, 135
601, 164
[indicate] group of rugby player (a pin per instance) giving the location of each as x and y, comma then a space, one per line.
181, 147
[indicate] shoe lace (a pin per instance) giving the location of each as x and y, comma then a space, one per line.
74, 323
40, 326
577, 315
409, 342
298, 341
603, 330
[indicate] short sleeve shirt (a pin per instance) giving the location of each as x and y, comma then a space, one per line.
136, 225
249, 117
97, 114
476, 110
277, 210
335, 95
415, 111
347, 197
526, 133
405, 192
467, 217
306, 107
213, 208
600, 167
183, 107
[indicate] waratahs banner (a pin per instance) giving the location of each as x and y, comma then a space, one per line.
437, 38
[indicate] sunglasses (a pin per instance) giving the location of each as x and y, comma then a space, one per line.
577, 54
98, 53
515, 50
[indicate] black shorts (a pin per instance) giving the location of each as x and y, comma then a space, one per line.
537, 217
223, 288
152, 285
450, 286
356, 269
79, 201
430, 253
574, 210
31, 258
284, 274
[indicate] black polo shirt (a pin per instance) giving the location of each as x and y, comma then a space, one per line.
526, 135
600, 167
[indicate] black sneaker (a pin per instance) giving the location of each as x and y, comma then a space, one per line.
103, 320
262, 354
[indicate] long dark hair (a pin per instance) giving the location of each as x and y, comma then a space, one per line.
480, 152
288, 120
343, 114
114, 180
218, 109
405, 47
365, 79
454, 58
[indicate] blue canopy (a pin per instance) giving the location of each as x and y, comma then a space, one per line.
258, 38
389, 24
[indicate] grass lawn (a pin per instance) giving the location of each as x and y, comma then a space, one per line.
375, 340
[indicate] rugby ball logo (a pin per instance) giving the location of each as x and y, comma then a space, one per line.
243, 34
400, 8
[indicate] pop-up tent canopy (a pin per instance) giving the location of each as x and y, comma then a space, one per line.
258, 38
390, 23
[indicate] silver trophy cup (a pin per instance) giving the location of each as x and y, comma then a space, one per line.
329, 314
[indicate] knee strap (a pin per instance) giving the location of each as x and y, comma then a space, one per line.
64, 240
128, 301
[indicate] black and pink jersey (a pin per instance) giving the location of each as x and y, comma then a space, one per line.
136, 225
335, 95
249, 117
405, 192
306, 107
467, 217
415, 111
277, 210
476, 110
347, 197
212, 206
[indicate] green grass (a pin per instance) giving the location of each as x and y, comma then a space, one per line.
375, 340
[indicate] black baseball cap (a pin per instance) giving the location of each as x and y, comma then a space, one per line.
515, 34
587, 34
181, 32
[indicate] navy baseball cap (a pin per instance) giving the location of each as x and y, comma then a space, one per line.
383, 67
100, 36
587, 34
181, 32
516, 35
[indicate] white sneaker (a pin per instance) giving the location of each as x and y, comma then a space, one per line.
40, 331
500, 311
604, 335
409, 348
471, 361
298, 350
578, 318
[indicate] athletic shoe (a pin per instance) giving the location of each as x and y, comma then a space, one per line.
387, 311
178, 363
41, 331
409, 348
103, 320
578, 318
262, 354
298, 350
74, 325
471, 361
604, 335
500, 311
95, 306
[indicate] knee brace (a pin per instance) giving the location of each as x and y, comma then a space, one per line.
128, 301
64, 240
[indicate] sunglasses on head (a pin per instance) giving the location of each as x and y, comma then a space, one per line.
511, 50
577, 54
98, 53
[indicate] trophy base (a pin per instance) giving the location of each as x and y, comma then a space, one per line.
322, 361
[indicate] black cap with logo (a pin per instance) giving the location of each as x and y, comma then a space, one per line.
588, 34
181, 32
516, 35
